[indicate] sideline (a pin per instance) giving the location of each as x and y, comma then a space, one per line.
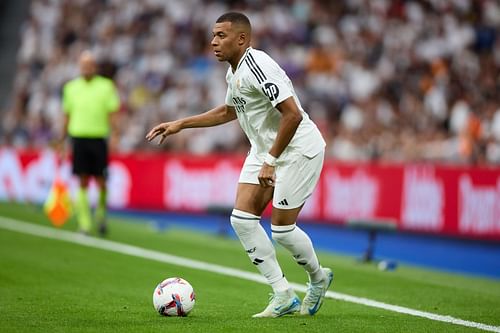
72, 237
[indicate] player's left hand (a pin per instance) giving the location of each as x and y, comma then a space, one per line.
267, 177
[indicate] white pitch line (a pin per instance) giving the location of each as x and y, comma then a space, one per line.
51, 233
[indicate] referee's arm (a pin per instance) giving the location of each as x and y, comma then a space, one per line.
60, 140
64, 133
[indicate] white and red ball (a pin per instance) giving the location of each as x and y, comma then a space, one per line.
174, 297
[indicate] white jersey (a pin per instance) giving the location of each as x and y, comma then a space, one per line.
254, 90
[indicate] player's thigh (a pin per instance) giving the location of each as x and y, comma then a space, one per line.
285, 216
250, 196
253, 198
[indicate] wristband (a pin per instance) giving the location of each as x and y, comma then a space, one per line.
270, 160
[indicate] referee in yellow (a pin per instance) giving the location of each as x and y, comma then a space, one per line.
88, 103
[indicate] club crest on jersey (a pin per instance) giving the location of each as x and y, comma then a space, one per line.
271, 90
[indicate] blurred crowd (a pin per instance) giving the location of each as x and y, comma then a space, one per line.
384, 80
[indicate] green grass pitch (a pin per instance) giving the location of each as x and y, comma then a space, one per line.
50, 285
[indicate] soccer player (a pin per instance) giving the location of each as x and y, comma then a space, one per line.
283, 165
88, 102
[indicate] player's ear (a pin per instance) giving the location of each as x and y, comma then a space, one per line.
242, 38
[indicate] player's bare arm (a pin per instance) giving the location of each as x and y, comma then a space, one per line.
216, 116
290, 120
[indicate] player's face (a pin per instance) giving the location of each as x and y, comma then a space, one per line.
225, 41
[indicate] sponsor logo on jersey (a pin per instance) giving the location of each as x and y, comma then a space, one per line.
271, 90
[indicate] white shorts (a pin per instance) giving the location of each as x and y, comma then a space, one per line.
295, 180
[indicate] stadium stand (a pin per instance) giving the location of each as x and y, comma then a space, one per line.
11, 15
384, 80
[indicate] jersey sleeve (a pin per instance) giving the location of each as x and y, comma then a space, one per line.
268, 77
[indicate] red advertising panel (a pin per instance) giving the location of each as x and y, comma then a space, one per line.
457, 201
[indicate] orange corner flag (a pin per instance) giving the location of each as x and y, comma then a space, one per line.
58, 203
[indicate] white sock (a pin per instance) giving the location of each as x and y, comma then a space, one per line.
259, 248
292, 238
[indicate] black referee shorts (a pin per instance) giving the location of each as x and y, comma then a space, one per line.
90, 156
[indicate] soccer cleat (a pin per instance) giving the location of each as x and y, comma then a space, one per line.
280, 303
316, 293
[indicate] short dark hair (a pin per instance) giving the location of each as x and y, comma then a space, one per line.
235, 18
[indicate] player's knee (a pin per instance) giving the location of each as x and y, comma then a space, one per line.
243, 222
280, 238
282, 234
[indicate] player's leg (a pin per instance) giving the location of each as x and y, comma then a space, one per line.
288, 234
298, 243
294, 184
80, 168
251, 200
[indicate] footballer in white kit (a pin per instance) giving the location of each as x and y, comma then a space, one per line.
254, 90
284, 163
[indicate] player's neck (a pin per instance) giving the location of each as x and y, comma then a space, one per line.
236, 61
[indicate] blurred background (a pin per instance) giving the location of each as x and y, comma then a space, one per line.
384, 80
406, 94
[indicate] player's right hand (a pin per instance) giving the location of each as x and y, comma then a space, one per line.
267, 176
164, 129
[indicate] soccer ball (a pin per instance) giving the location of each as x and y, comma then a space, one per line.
174, 297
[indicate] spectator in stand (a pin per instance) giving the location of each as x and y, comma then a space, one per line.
405, 65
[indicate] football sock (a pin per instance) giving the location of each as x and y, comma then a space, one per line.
101, 209
292, 238
259, 248
83, 210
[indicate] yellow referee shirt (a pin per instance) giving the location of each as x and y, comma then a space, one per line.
88, 104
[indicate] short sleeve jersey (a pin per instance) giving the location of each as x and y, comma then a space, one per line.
254, 90
88, 104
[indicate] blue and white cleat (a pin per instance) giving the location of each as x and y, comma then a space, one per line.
316, 293
280, 304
